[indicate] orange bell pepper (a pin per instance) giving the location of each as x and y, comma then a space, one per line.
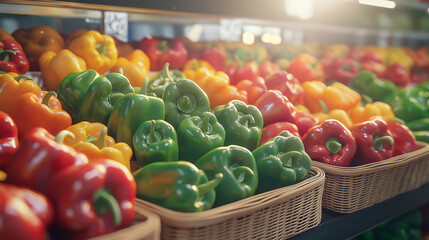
301, 109
36, 41
337, 114
11, 87
5, 35
92, 140
364, 113
39, 109
336, 96
193, 64
55, 67
98, 51
306, 68
135, 67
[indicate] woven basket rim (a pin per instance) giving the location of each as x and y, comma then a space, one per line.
377, 166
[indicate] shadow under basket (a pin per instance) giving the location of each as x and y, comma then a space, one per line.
277, 214
350, 189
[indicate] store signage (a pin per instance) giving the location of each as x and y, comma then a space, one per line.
230, 29
116, 24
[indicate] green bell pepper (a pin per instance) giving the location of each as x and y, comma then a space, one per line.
238, 166
155, 141
72, 91
366, 83
183, 99
424, 86
282, 161
162, 79
199, 135
243, 123
130, 111
421, 136
102, 95
410, 104
418, 125
178, 186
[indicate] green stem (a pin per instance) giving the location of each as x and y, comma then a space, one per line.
240, 172
367, 99
378, 142
166, 71
286, 158
333, 145
101, 48
45, 100
121, 71
208, 186
23, 77
195, 64
205, 125
62, 135
154, 136
163, 45
4, 55
101, 141
143, 89
246, 119
186, 103
104, 201
325, 108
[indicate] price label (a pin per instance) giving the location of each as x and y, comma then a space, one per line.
230, 29
116, 24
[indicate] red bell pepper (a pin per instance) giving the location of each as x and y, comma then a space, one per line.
275, 107
249, 71
373, 62
305, 121
25, 214
397, 74
12, 57
254, 89
404, 139
287, 84
306, 68
331, 143
374, 141
342, 69
418, 74
39, 157
215, 57
274, 129
268, 68
8, 140
93, 199
161, 51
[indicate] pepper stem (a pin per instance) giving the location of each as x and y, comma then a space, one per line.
240, 172
143, 89
378, 142
103, 201
333, 145
17, 78
325, 108
45, 100
194, 64
153, 135
186, 103
62, 135
286, 158
166, 71
246, 119
101, 141
4, 55
366, 99
208, 186
205, 124
121, 71
163, 45
101, 48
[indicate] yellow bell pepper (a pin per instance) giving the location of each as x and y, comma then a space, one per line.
399, 55
135, 67
337, 114
98, 51
193, 64
377, 109
301, 108
55, 67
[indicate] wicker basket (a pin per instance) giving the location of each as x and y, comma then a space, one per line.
349, 189
277, 214
146, 226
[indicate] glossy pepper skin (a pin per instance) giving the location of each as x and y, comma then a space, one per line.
282, 161
8, 139
410, 104
242, 123
104, 203
247, 71
26, 214
136, 67
404, 139
12, 57
366, 83
238, 167
162, 79
397, 74
130, 111
197, 135
55, 67
254, 89
287, 84
337, 114
364, 113
275, 107
306, 68
342, 69
39, 157
155, 141
183, 99
274, 129
331, 143
5, 35
374, 142
305, 121
162, 51
268, 68
216, 57
11, 87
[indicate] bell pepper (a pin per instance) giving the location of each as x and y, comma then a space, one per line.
342, 69
242, 123
397, 55
125, 49
8, 139
136, 67
421, 136
372, 61
162, 79
418, 75
37, 40
247, 71
287, 84
183, 99
238, 167
178, 186
268, 68
282, 161
215, 57
364, 113
98, 51
366, 83
130, 111
55, 67
418, 125
404, 139
155, 141
39, 109
104, 201
102, 95
193, 64
410, 104
72, 91
254, 89
75, 34
397, 74
337, 114
305, 121
275, 107
306, 68
25, 214
12, 57
335, 96
330, 142
39, 157
162, 51
274, 129
86, 132
373, 140
5, 35
11, 87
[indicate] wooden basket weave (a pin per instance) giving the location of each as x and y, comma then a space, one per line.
277, 214
349, 189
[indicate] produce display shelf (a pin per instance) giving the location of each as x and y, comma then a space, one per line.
344, 226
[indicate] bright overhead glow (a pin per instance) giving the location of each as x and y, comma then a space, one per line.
271, 38
248, 38
379, 3
195, 33
303, 9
